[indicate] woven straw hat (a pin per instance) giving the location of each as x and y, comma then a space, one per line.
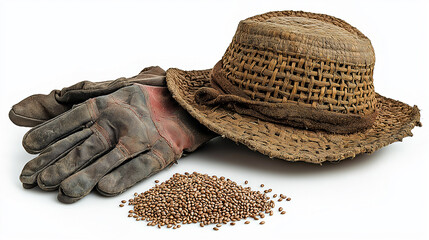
296, 86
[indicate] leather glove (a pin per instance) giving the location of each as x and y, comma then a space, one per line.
110, 142
39, 108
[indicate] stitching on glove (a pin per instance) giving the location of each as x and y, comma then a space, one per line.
103, 132
131, 108
92, 109
159, 158
145, 94
124, 149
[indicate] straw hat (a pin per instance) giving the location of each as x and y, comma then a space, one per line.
296, 86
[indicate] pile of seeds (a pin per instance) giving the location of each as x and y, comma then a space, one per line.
200, 198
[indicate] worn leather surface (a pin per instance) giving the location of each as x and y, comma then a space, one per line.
110, 142
39, 108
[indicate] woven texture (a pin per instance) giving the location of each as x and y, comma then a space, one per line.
303, 58
394, 122
320, 65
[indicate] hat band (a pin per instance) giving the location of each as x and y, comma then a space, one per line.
223, 93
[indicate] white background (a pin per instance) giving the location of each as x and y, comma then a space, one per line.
53, 44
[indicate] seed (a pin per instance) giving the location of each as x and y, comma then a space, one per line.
270, 190
262, 185
131, 211
135, 194
280, 209
283, 212
275, 195
178, 226
288, 199
280, 199
130, 215
123, 201
262, 222
282, 196
215, 228
199, 198
232, 224
121, 205
174, 227
156, 181
246, 182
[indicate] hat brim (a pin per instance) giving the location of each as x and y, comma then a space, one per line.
394, 122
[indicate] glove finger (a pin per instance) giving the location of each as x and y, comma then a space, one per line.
78, 158
37, 109
136, 169
81, 183
85, 90
128, 174
49, 156
40, 137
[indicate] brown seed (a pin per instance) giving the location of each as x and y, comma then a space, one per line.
282, 196
130, 215
275, 195
246, 222
262, 185
288, 199
199, 198
135, 194
169, 225
178, 226
262, 222
156, 181
280, 209
121, 205
215, 228
280, 199
246, 182
201, 224
123, 201
174, 227
270, 190
283, 212
232, 224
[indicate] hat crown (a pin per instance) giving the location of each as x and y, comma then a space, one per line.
313, 60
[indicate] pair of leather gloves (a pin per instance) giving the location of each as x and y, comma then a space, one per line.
105, 135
